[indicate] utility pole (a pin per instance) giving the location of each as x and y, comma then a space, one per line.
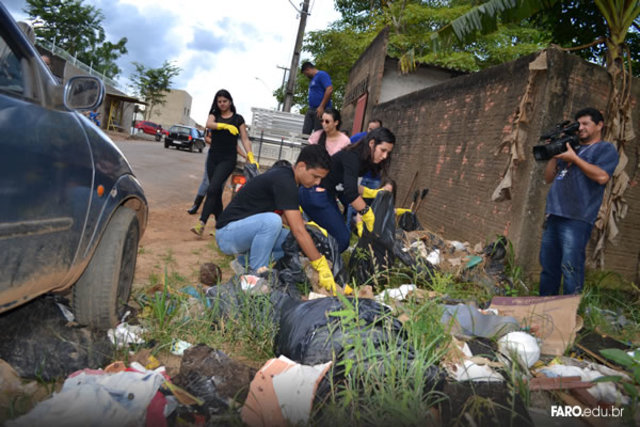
282, 87
293, 70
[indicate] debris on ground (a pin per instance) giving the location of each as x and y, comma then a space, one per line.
214, 378
282, 393
485, 355
39, 343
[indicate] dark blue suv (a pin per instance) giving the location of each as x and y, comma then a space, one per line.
71, 210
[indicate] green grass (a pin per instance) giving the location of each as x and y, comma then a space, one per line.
382, 385
609, 291
169, 315
379, 384
168, 257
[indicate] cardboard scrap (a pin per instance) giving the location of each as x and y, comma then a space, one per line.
553, 319
558, 383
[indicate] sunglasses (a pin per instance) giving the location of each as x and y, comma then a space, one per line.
326, 121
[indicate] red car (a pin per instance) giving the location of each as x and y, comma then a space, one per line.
146, 127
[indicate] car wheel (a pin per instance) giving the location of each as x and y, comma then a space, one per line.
101, 294
191, 148
166, 144
199, 150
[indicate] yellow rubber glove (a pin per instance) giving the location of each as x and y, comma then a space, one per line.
252, 159
322, 230
231, 128
359, 228
325, 277
400, 211
348, 290
370, 193
369, 218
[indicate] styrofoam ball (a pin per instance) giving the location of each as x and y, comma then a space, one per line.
522, 344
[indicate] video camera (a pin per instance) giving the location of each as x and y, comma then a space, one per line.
563, 132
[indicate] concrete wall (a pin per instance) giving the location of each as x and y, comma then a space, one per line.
448, 134
176, 110
395, 84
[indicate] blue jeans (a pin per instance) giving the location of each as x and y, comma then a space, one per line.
562, 255
260, 235
369, 182
322, 208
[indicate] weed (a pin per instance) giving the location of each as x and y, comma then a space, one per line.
168, 257
631, 363
382, 376
605, 291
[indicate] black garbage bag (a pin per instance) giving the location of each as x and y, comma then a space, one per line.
408, 221
213, 377
309, 335
228, 299
459, 406
378, 250
250, 171
36, 341
290, 268
493, 275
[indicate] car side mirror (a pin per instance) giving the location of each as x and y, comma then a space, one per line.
83, 93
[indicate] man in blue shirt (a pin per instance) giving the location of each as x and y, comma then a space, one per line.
320, 90
373, 124
578, 180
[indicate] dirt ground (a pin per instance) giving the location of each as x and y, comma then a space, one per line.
169, 243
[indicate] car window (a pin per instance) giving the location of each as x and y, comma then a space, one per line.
11, 78
180, 129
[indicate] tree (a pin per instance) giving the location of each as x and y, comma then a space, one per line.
152, 84
76, 28
335, 50
412, 22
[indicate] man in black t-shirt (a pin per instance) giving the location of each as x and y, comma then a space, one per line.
249, 224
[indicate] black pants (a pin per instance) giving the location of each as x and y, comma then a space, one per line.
311, 122
218, 171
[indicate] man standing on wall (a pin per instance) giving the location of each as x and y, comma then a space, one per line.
578, 179
320, 90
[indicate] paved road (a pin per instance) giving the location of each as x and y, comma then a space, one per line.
168, 176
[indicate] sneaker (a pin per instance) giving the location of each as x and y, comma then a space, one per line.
237, 267
198, 229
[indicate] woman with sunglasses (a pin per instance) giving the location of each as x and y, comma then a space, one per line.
330, 136
371, 154
225, 125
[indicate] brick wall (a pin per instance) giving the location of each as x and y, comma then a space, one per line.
365, 77
449, 133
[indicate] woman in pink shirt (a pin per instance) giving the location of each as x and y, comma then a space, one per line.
330, 136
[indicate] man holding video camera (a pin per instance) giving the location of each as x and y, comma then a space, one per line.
578, 178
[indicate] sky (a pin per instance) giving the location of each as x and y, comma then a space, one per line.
236, 45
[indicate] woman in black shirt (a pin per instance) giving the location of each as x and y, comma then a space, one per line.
225, 125
371, 154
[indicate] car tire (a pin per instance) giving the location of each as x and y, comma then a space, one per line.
191, 148
101, 294
199, 150
166, 144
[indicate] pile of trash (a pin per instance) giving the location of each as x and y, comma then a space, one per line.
486, 350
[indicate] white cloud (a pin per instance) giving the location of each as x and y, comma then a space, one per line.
235, 44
